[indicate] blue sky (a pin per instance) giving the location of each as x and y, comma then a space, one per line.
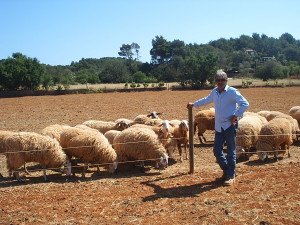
57, 32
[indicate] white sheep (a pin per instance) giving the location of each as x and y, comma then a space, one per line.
104, 126
111, 134
294, 124
269, 115
140, 144
54, 130
181, 137
248, 131
149, 119
3, 134
22, 147
128, 122
164, 134
204, 120
85, 127
275, 137
295, 113
89, 146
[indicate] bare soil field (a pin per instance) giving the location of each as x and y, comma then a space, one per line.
264, 193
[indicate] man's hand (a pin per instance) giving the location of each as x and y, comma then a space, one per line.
190, 105
233, 120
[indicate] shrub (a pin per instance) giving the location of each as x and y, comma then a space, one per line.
133, 85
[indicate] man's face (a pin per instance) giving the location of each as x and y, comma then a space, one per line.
221, 83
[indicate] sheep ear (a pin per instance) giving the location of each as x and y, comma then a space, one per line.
171, 124
160, 125
158, 113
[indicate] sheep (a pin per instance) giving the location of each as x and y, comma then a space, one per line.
140, 144
294, 124
89, 146
181, 136
149, 119
276, 114
295, 113
204, 120
269, 115
54, 131
125, 121
156, 129
24, 147
85, 127
275, 137
104, 126
164, 134
248, 130
263, 113
4, 134
111, 134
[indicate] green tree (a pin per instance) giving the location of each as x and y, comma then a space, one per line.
47, 81
161, 50
139, 77
128, 51
21, 72
271, 70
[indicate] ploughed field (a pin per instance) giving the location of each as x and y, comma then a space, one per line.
264, 193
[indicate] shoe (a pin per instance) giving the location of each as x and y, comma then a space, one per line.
229, 181
222, 178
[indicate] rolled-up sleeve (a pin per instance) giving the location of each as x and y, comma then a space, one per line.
242, 103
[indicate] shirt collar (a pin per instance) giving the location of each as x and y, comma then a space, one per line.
225, 89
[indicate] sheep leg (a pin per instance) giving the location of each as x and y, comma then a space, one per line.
44, 174
83, 171
142, 164
17, 176
98, 169
201, 137
180, 152
186, 153
25, 169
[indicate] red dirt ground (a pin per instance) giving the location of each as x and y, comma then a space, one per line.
263, 193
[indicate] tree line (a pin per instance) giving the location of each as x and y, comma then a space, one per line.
192, 65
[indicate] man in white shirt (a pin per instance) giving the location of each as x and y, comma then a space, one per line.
229, 106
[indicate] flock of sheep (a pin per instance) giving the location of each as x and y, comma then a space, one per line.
146, 137
101, 143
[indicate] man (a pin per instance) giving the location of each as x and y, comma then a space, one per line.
229, 106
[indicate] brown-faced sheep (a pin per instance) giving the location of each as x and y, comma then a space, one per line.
204, 120
89, 146
275, 137
140, 144
181, 137
22, 147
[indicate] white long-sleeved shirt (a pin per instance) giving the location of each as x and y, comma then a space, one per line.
228, 103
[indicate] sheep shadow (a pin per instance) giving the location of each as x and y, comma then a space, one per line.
207, 144
258, 162
178, 192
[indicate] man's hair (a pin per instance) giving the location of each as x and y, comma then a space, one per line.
221, 75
